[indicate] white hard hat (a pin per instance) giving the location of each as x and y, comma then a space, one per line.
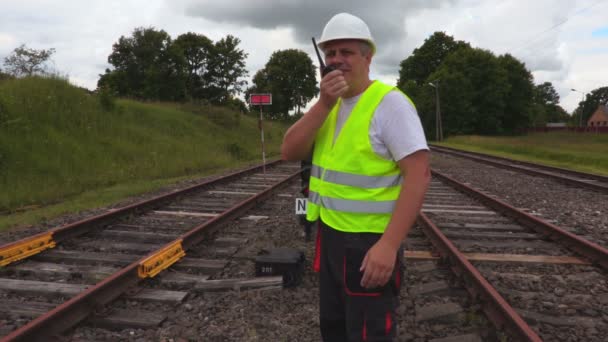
346, 26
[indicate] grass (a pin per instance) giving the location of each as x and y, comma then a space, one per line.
63, 150
576, 151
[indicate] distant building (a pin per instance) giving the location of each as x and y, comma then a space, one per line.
599, 117
556, 124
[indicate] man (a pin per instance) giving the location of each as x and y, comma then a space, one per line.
369, 175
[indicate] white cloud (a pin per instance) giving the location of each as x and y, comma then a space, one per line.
6, 40
552, 38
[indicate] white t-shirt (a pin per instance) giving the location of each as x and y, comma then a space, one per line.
395, 131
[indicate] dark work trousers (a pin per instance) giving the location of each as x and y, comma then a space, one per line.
349, 312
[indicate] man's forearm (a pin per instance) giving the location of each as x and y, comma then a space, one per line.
299, 138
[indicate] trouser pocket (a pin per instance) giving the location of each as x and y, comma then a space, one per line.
353, 258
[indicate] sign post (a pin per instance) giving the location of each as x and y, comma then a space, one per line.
261, 100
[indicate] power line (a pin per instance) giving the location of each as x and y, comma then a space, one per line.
555, 26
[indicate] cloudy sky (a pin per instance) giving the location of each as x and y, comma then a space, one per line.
561, 41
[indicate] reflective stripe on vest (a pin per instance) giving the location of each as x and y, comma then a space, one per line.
361, 181
351, 206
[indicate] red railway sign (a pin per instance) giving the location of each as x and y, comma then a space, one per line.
260, 99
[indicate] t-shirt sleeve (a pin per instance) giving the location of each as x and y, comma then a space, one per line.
398, 126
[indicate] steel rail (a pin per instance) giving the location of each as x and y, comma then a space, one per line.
71, 312
482, 158
502, 315
594, 252
526, 163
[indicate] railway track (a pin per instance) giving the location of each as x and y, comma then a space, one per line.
524, 274
575, 178
54, 280
476, 270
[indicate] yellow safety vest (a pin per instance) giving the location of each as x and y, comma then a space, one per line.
351, 188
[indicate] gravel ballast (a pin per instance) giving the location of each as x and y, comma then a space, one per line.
580, 211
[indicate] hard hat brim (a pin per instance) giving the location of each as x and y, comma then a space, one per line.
368, 41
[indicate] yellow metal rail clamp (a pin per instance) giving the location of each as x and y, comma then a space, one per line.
26, 248
152, 265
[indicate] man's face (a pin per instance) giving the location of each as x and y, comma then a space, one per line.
346, 55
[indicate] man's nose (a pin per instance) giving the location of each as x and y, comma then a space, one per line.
334, 60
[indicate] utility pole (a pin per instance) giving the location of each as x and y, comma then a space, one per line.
438, 124
261, 100
262, 138
580, 119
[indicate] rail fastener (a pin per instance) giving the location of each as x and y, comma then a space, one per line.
25, 248
155, 263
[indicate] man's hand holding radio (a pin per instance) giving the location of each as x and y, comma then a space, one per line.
333, 85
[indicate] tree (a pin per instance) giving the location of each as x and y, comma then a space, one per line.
427, 58
589, 105
479, 92
150, 65
416, 70
227, 68
145, 67
556, 113
546, 94
196, 52
290, 76
519, 102
238, 105
547, 108
474, 89
24, 61
538, 115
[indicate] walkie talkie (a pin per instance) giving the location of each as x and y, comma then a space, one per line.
325, 69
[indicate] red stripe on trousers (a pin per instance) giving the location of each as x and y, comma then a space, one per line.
364, 334
388, 324
316, 265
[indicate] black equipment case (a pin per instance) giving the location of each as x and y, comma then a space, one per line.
287, 262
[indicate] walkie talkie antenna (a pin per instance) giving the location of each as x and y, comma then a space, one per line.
318, 54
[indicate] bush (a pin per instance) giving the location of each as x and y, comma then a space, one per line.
106, 99
237, 105
4, 76
236, 151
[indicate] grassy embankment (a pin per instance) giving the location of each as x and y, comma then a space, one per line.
577, 151
63, 150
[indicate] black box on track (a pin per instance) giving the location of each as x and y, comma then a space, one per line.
286, 262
